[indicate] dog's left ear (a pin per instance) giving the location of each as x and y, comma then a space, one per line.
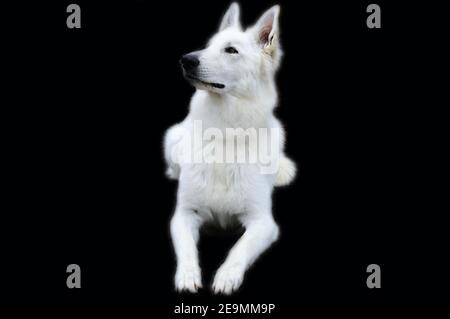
266, 30
231, 17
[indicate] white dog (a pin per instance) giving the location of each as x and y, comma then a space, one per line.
235, 81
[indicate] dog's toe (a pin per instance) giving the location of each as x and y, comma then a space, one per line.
228, 279
188, 279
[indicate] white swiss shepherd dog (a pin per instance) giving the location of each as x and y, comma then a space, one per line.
234, 77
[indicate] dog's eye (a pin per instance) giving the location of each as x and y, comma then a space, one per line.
231, 50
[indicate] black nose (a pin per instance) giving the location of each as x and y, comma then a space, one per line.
189, 61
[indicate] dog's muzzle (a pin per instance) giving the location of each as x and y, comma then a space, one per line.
190, 63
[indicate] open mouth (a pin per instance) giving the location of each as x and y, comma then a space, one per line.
212, 84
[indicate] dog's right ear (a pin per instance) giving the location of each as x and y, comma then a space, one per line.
231, 17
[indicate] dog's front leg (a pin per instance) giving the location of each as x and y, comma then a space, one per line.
184, 229
261, 231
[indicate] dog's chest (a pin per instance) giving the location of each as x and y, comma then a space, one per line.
223, 173
225, 162
220, 187
222, 178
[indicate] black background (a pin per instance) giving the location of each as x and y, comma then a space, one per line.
84, 179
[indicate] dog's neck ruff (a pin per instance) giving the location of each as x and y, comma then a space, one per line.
236, 111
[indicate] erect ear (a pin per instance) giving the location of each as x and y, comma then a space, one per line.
266, 29
231, 17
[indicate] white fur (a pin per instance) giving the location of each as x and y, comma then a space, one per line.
224, 192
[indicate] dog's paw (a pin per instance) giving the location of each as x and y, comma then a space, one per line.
188, 279
286, 172
228, 279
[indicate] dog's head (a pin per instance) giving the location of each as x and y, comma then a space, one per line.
236, 61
